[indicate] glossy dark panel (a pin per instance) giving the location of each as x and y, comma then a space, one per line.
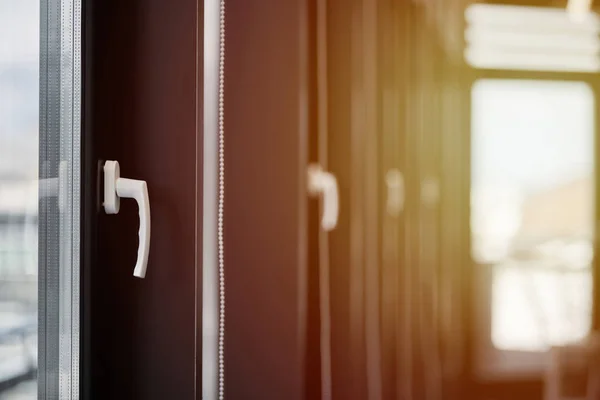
142, 111
264, 201
347, 303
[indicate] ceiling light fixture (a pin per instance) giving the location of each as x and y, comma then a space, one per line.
578, 10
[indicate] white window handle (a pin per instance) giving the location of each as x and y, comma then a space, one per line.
395, 192
324, 184
116, 187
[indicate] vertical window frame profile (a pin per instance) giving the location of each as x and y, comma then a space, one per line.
59, 217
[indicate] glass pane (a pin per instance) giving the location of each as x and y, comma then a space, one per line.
19, 138
532, 207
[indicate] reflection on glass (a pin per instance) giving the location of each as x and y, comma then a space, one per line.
19, 110
532, 208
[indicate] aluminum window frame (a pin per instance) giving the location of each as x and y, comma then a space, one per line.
60, 217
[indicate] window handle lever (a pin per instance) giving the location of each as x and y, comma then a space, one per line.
116, 188
395, 192
325, 184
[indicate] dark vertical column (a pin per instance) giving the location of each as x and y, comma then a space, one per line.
344, 357
265, 200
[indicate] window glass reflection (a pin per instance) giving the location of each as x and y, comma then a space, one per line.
19, 137
532, 207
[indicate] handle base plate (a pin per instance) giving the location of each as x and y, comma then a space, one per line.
112, 172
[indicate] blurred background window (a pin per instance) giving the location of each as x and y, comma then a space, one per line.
532, 207
19, 142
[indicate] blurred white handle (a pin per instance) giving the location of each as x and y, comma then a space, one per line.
325, 184
115, 188
395, 192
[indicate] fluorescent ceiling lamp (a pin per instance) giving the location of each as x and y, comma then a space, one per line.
485, 59
541, 42
579, 10
531, 38
530, 18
